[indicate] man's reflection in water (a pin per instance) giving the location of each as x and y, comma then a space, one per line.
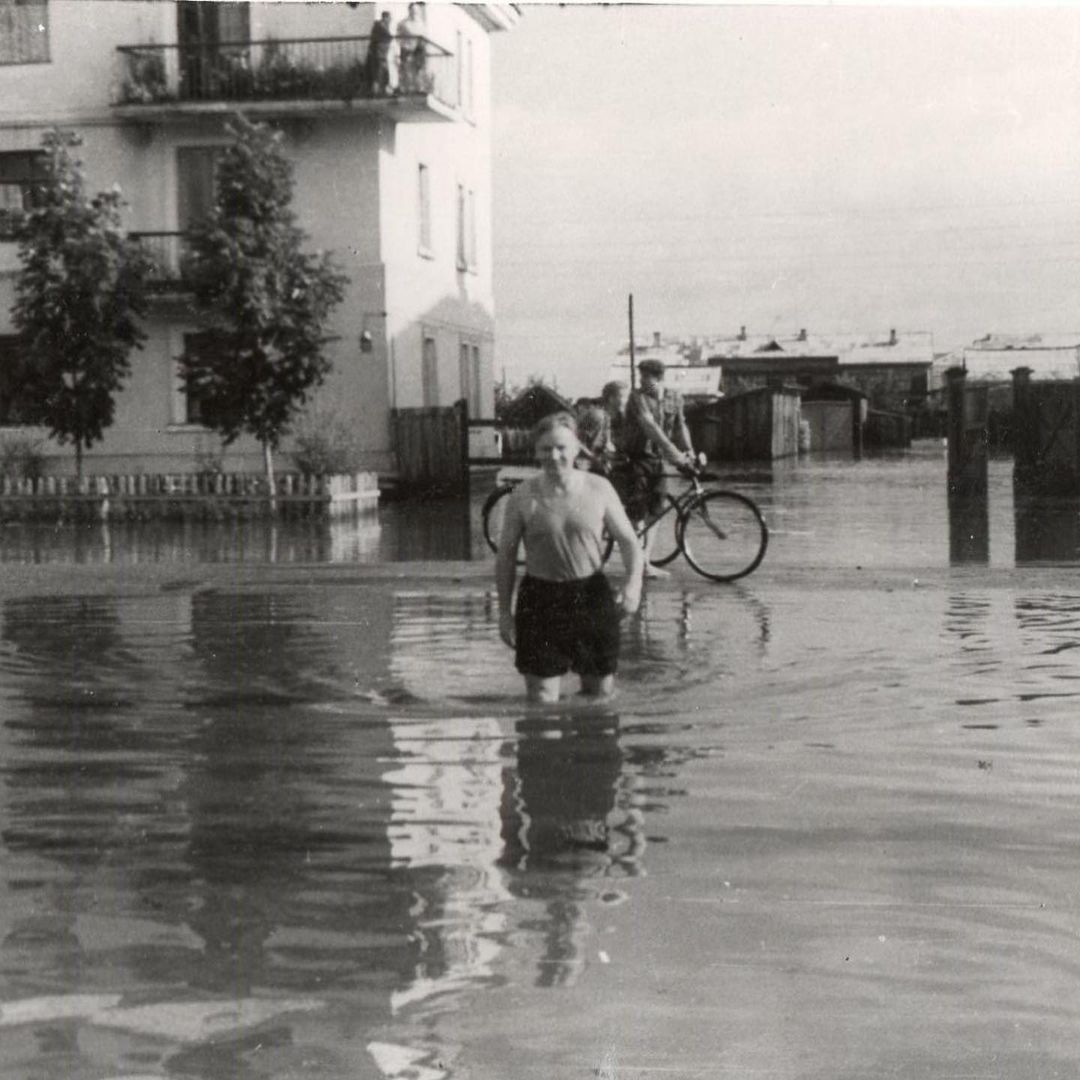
566, 822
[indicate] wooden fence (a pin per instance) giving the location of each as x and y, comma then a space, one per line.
758, 425
210, 496
1046, 435
432, 446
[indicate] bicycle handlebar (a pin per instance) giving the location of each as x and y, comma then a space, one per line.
694, 472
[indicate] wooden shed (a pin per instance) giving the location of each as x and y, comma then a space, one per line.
759, 425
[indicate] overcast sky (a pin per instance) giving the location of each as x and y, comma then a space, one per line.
779, 167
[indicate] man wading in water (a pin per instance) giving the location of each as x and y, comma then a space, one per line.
566, 617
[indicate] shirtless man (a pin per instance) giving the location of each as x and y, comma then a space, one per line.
566, 617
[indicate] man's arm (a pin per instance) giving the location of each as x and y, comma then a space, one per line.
655, 432
513, 528
618, 525
681, 433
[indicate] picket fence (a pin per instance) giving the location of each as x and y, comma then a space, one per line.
213, 496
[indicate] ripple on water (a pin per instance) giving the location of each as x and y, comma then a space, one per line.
341, 797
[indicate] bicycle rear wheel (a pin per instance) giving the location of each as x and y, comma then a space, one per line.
723, 535
492, 515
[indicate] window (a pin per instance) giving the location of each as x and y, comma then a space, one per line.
213, 40
470, 230
468, 79
13, 376
196, 186
24, 32
21, 176
430, 372
460, 54
187, 408
424, 196
462, 260
466, 228
469, 375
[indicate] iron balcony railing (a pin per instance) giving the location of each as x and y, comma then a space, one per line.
168, 255
309, 69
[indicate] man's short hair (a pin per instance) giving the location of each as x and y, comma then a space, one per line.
651, 367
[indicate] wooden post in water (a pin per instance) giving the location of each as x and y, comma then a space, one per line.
967, 436
466, 476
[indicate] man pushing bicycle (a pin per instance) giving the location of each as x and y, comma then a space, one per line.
654, 431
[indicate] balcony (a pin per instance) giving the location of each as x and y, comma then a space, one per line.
304, 77
167, 251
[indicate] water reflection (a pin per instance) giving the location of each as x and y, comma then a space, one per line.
568, 829
446, 784
969, 529
1047, 529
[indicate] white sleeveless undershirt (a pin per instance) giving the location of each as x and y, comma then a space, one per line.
563, 530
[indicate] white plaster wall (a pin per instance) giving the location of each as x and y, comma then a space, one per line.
356, 195
84, 64
430, 295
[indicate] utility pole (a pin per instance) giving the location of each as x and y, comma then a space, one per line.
633, 371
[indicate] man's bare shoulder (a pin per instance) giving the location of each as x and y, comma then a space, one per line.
597, 486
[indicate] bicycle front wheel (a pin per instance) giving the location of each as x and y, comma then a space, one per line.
723, 535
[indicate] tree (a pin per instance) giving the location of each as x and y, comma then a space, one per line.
266, 302
79, 297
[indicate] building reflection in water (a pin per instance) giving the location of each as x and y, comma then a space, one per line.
446, 784
186, 814
1047, 529
969, 530
352, 539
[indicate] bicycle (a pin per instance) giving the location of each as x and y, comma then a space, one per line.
722, 534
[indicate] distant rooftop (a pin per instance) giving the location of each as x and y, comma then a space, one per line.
1026, 341
890, 346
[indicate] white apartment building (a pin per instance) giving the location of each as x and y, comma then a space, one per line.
393, 176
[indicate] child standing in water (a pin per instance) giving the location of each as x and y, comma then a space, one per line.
566, 617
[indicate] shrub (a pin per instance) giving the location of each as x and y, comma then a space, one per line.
22, 458
324, 445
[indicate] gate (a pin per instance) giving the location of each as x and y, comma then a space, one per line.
432, 448
831, 424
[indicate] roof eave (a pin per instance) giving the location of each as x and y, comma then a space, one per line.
494, 17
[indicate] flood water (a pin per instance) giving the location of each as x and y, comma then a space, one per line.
822, 511
825, 830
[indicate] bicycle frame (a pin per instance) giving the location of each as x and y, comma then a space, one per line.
676, 503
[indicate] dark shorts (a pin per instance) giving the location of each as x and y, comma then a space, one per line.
563, 626
642, 486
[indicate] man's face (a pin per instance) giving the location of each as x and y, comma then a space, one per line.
616, 401
652, 382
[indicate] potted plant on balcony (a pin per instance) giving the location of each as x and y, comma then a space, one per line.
145, 82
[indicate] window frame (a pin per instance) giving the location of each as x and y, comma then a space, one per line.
10, 348
185, 407
466, 254
429, 369
31, 183
41, 19
425, 244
